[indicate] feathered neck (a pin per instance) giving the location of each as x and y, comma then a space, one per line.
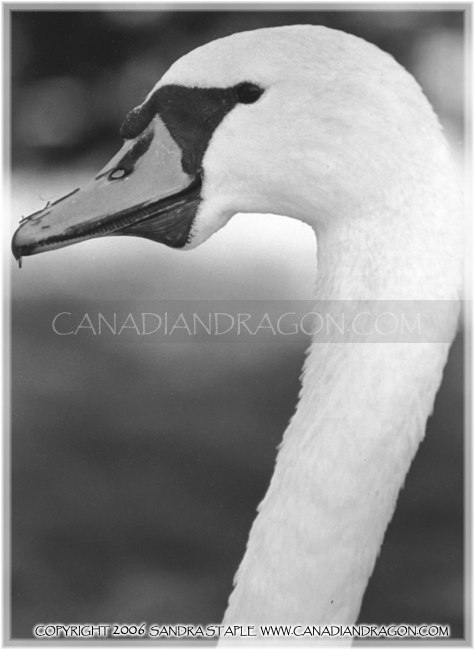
362, 411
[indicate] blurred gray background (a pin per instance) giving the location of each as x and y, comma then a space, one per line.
137, 464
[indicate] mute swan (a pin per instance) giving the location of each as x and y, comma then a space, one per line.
318, 125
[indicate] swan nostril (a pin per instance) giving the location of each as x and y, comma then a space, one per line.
117, 174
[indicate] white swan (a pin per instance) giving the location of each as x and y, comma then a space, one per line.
322, 126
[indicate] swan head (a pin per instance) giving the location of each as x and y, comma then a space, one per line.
302, 121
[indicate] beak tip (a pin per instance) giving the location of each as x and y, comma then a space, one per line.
18, 249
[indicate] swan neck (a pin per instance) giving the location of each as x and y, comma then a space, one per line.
361, 416
363, 405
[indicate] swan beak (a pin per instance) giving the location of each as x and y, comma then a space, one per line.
143, 191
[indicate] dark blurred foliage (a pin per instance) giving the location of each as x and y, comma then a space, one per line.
136, 471
138, 466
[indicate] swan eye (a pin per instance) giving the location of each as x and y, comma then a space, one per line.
248, 93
